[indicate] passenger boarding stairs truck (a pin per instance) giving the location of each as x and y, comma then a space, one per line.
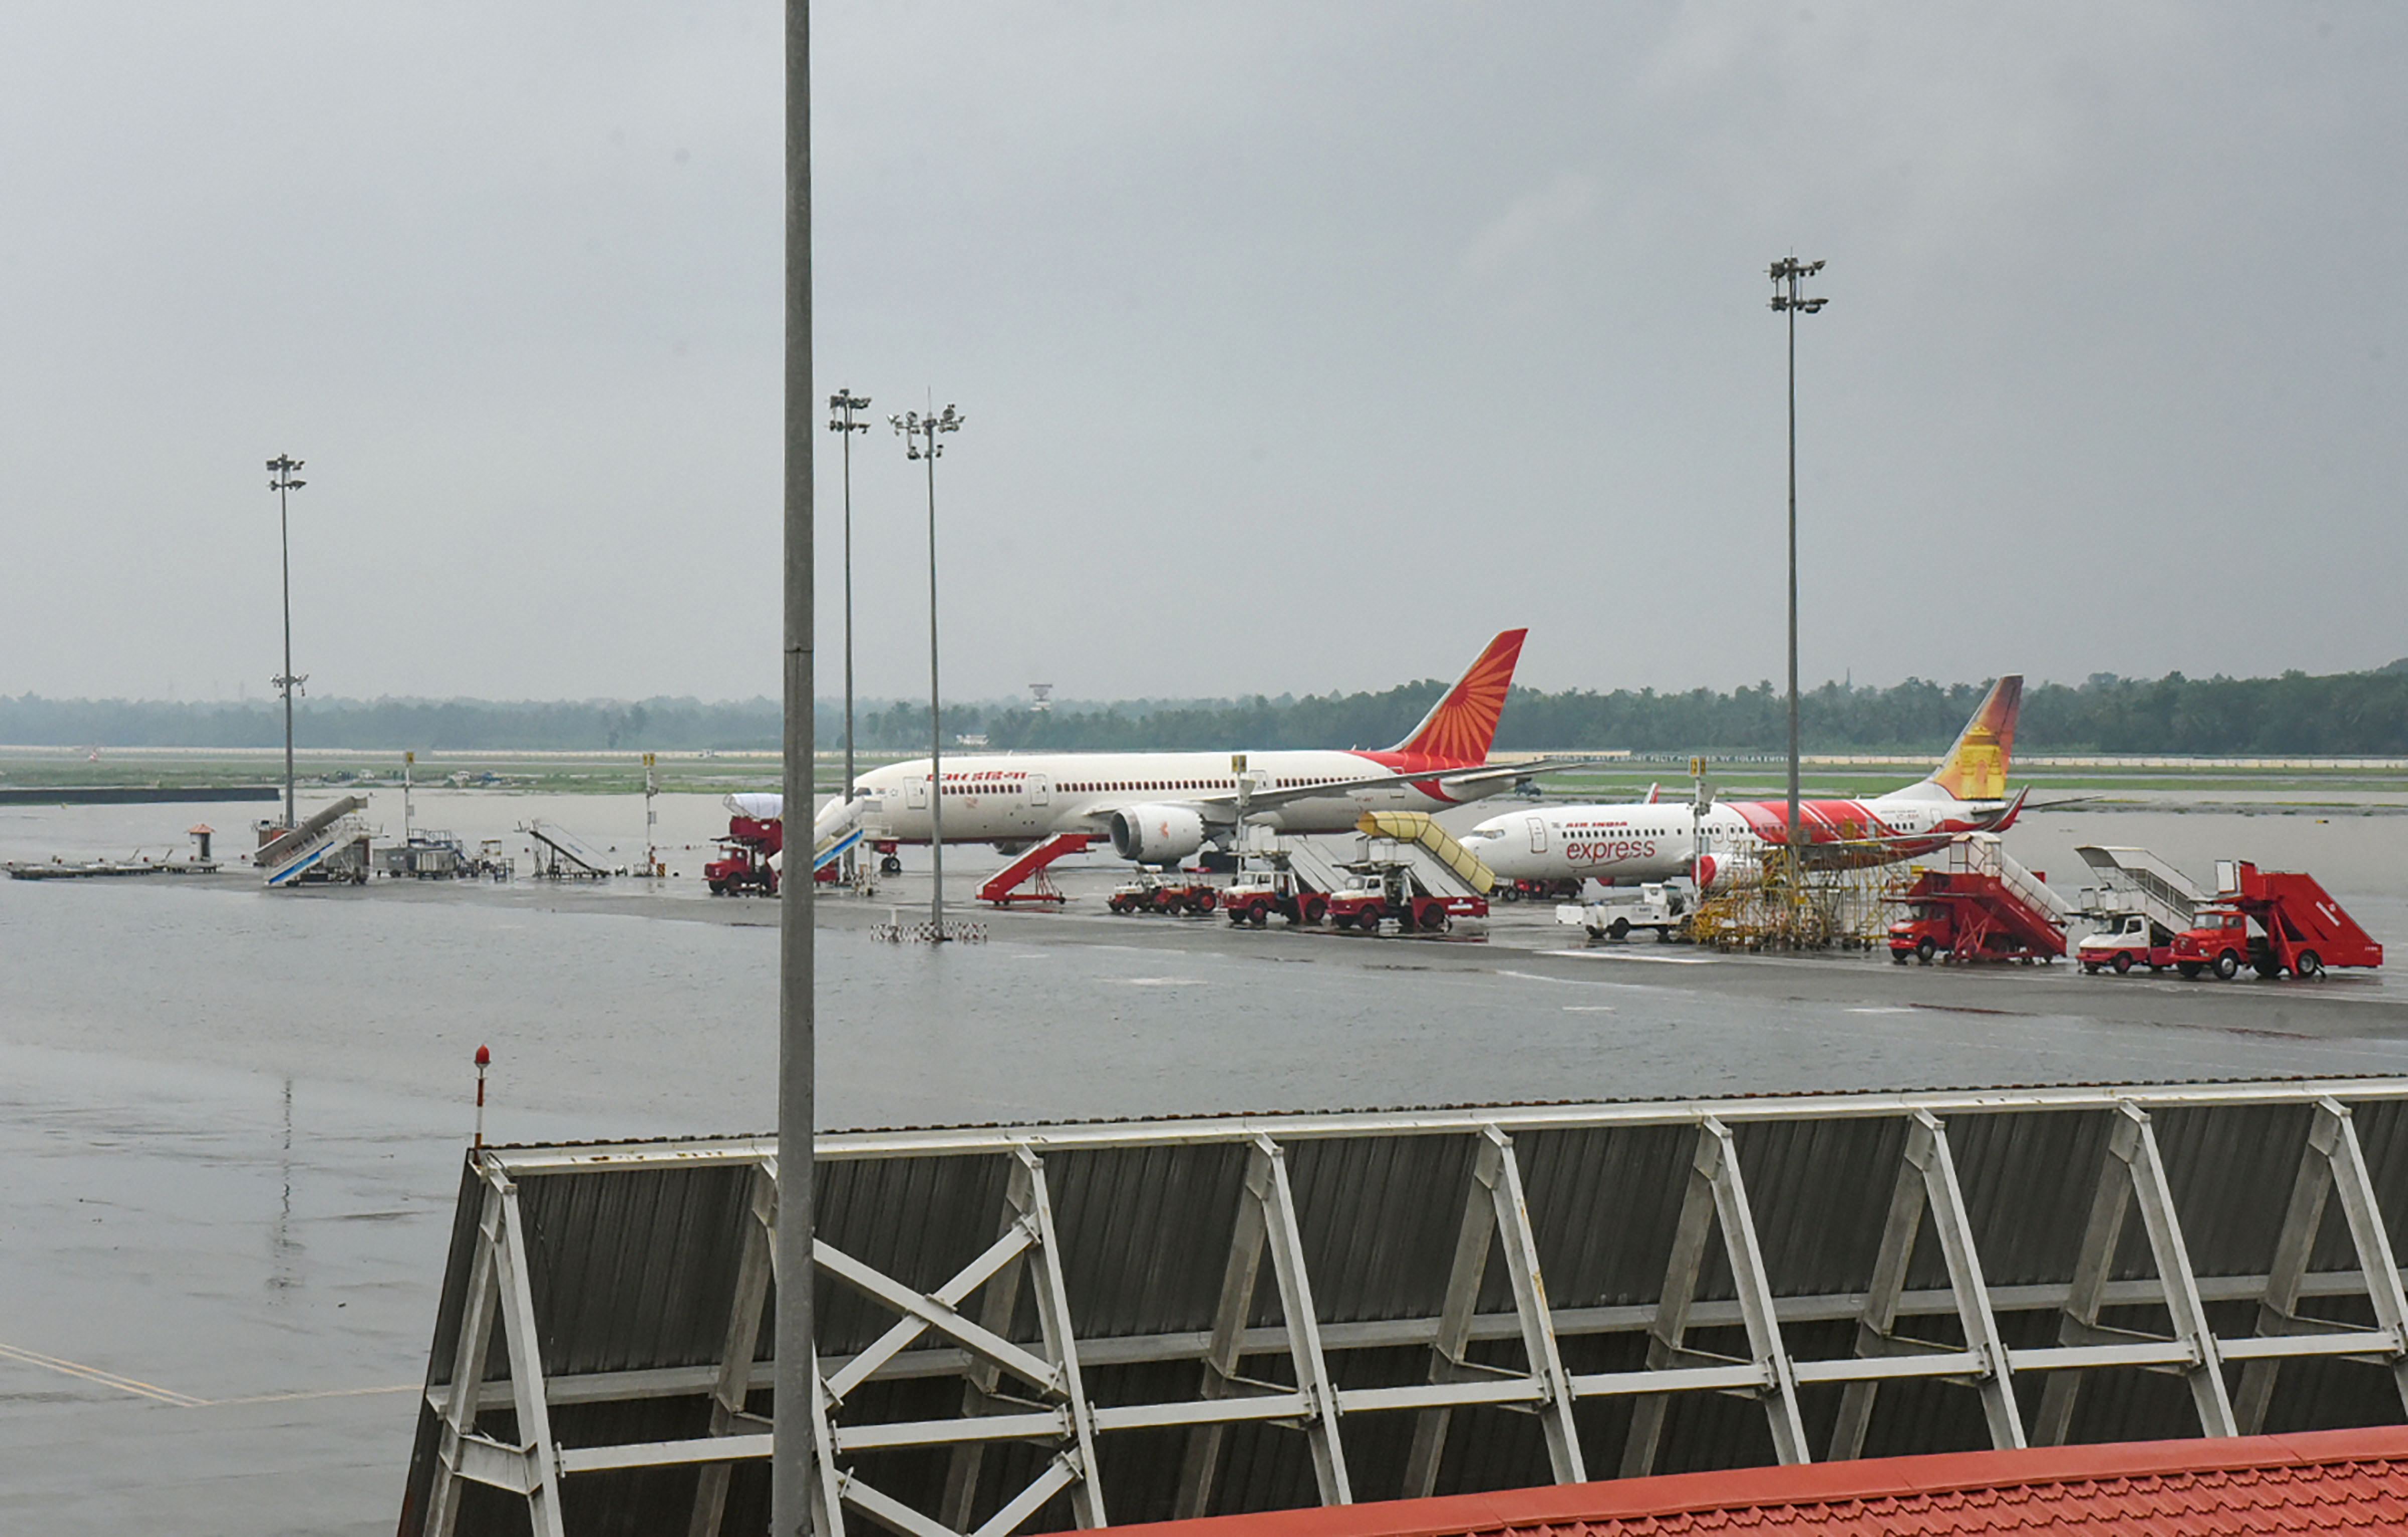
1290, 878
1978, 903
1413, 872
2298, 927
1402, 866
330, 845
2139, 905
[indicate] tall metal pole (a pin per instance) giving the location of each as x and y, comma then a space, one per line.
935, 720
844, 403
921, 434
798, 1500
283, 466
1788, 271
1792, 577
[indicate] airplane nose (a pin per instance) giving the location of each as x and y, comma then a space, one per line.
1493, 851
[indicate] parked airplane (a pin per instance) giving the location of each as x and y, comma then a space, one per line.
1654, 840
1159, 807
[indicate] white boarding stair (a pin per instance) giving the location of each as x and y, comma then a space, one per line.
287, 859
567, 846
1444, 867
1309, 858
2137, 881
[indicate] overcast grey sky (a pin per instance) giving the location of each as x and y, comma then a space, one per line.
1302, 346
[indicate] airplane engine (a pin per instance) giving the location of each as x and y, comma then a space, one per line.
1728, 871
1157, 835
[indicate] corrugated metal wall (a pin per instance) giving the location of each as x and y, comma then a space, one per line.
633, 1264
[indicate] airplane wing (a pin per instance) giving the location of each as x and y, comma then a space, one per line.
1225, 801
1998, 820
2059, 804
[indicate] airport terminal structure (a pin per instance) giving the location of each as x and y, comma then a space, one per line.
1045, 1326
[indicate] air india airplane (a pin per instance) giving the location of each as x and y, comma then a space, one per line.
1654, 840
1159, 807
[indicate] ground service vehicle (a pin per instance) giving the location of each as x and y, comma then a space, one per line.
1394, 891
1660, 905
1257, 895
751, 845
1150, 892
2298, 929
1981, 906
2127, 940
1560, 890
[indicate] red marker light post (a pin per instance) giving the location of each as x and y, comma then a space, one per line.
485, 1060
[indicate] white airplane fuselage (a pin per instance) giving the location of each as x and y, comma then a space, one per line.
1633, 842
1001, 797
1629, 843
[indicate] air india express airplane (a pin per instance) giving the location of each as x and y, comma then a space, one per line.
1654, 840
1159, 807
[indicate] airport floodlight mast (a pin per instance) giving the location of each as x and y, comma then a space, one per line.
844, 403
801, 1503
281, 467
1787, 273
920, 434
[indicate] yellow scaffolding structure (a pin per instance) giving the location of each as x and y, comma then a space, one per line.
1836, 898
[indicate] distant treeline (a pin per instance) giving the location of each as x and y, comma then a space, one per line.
2343, 713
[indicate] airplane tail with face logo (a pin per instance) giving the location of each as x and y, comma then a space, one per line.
1462, 725
1976, 768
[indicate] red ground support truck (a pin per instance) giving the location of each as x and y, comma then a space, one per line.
2273, 922
1981, 906
1153, 891
745, 863
1254, 895
1393, 891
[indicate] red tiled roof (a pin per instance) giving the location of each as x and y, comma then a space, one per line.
2327, 1481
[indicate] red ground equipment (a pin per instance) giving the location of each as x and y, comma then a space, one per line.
745, 865
1256, 896
1004, 887
1538, 891
2300, 929
1981, 905
1395, 891
1152, 892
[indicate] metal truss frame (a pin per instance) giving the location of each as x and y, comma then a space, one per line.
1035, 1395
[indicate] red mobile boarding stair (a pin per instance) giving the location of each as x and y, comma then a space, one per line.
2300, 929
1980, 905
1002, 888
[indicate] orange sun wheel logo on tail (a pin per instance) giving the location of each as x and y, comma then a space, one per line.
1460, 727
1976, 768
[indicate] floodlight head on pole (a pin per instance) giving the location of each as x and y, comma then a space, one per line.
919, 432
1785, 275
845, 403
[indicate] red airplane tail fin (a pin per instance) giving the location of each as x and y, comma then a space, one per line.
1461, 727
1976, 768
